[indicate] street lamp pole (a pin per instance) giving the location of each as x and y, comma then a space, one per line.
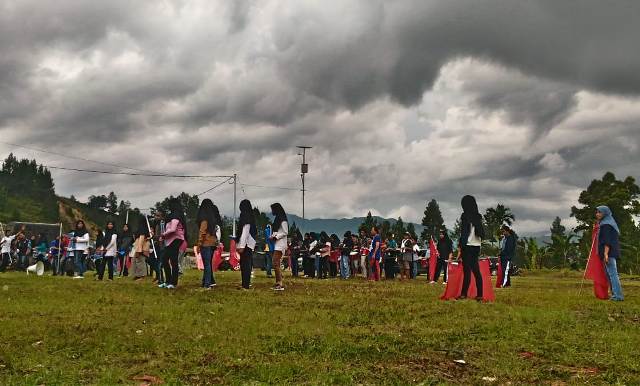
304, 169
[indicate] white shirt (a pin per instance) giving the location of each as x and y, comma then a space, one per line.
6, 246
281, 237
246, 240
112, 247
82, 243
219, 234
474, 241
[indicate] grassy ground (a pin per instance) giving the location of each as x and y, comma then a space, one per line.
64, 331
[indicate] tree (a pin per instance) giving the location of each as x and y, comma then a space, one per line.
368, 223
190, 204
123, 207
533, 253
623, 198
293, 229
97, 202
432, 221
456, 233
398, 228
385, 229
494, 218
557, 229
412, 231
112, 203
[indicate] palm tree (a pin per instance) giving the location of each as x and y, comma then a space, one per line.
494, 218
562, 247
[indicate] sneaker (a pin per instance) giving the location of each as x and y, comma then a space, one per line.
278, 288
213, 285
479, 299
432, 282
461, 297
170, 286
162, 285
78, 277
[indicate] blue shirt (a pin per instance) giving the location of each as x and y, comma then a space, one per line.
608, 236
267, 236
376, 239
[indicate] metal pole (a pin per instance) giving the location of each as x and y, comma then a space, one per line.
126, 221
153, 245
235, 185
57, 267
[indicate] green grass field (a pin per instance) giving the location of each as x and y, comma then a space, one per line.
64, 331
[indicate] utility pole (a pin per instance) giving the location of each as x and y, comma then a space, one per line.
304, 169
235, 185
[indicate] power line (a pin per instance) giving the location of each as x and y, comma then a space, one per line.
216, 186
271, 187
143, 172
129, 174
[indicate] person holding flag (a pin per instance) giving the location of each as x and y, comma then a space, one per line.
434, 260
507, 253
608, 249
469, 246
375, 254
445, 253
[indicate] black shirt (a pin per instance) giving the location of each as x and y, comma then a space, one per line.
445, 248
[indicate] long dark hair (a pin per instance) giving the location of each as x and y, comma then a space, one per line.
280, 216
217, 217
177, 213
471, 216
247, 217
205, 213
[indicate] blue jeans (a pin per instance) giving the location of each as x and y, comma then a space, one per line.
414, 269
207, 275
614, 280
268, 262
344, 264
81, 267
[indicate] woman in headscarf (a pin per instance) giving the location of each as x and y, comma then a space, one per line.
109, 245
609, 249
125, 243
469, 245
296, 252
247, 242
345, 255
173, 237
80, 240
325, 251
279, 236
207, 240
445, 254
141, 251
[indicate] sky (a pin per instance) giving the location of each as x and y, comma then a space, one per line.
519, 103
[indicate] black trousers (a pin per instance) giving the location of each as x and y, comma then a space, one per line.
308, 265
246, 265
324, 267
170, 262
4, 261
108, 262
389, 268
470, 264
441, 266
333, 269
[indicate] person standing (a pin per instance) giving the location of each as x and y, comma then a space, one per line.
80, 247
268, 250
141, 252
469, 245
609, 249
247, 242
279, 237
307, 262
445, 254
207, 240
159, 223
375, 254
325, 251
125, 243
406, 250
296, 252
507, 253
5, 244
345, 255
173, 238
109, 246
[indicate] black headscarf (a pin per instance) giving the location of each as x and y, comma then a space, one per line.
206, 213
142, 230
177, 213
246, 217
470, 216
108, 233
280, 216
80, 232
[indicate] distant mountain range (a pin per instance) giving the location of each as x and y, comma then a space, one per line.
338, 226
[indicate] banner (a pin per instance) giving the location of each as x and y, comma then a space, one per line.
433, 259
595, 268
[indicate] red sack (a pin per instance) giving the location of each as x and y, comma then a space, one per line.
595, 268
217, 257
456, 275
234, 259
499, 275
433, 259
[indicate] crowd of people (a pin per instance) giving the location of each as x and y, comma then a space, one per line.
156, 249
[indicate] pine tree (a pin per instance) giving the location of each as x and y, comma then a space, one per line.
112, 203
557, 229
432, 221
